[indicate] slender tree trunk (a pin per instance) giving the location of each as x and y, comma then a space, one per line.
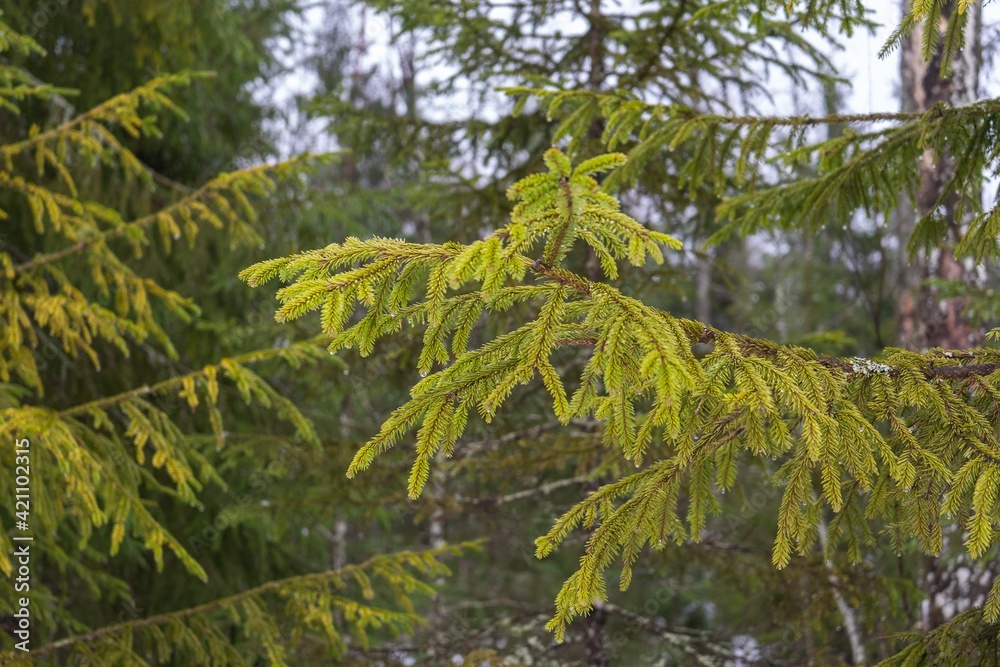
338, 550
925, 319
852, 626
806, 302
781, 307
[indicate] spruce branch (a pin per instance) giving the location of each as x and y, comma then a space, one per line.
908, 435
258, 179
400, 571
295, 352
121, 110
91, 465
872, 169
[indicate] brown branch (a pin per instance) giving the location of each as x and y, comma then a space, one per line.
683, 638
524, 494
531, 432
56, 255
937, 367
639, 76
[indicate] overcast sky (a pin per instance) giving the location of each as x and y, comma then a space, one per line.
874, 83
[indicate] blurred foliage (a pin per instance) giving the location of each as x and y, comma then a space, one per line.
410, 92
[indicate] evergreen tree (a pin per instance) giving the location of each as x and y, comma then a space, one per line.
99, 48
109, 471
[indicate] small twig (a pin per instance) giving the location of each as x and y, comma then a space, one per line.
544, 489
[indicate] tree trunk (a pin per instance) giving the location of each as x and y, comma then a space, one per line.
852, 624
338, 548
926, 320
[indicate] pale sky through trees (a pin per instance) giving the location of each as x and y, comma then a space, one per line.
874, 83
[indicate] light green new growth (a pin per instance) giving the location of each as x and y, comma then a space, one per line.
907, 441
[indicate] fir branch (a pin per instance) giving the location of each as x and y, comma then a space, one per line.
913, 431
424, 562
178, 381
112, 108
258, 175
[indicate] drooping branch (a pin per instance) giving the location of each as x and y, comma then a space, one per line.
179, 380
395, 562
258, 175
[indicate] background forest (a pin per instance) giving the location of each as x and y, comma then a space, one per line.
190, 500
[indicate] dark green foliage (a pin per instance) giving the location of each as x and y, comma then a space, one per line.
114, 467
